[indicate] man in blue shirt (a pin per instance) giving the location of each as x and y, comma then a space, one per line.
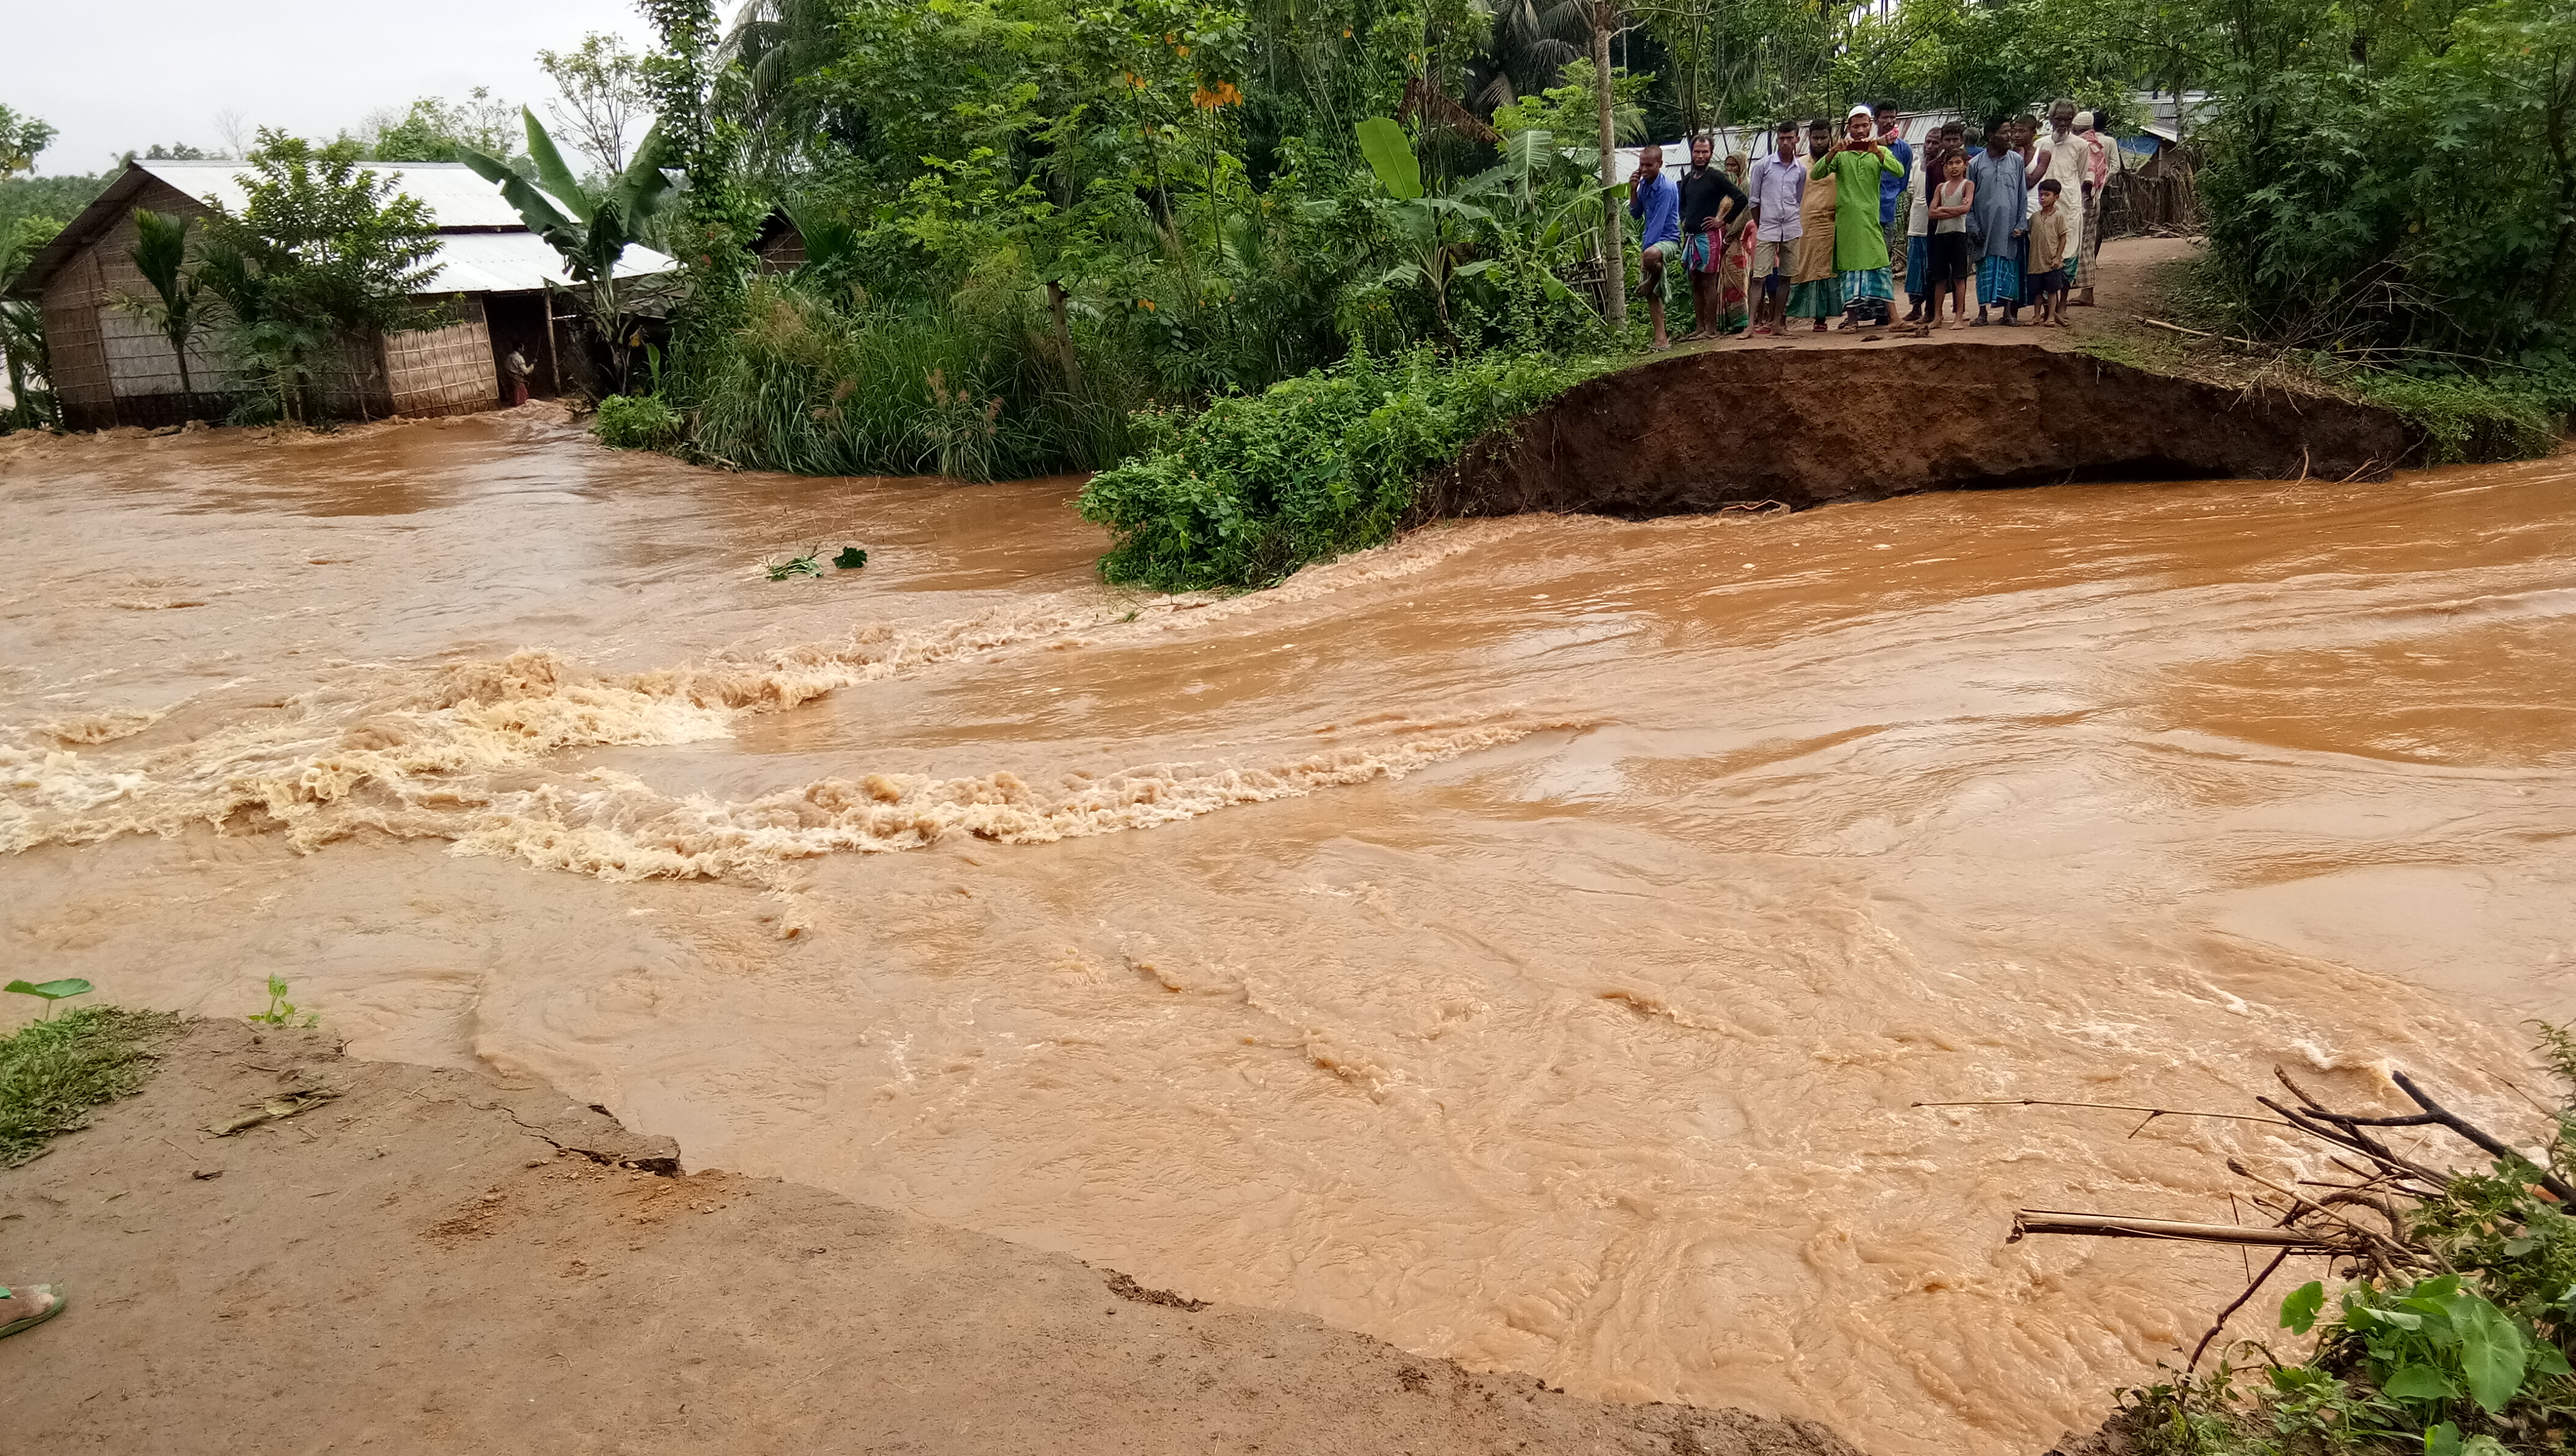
1657, 205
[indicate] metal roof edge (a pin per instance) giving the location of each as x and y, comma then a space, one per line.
100, 215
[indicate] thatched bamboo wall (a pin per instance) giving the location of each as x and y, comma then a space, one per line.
119, 370
76, 360
445, 370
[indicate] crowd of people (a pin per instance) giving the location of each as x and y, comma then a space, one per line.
2011, 219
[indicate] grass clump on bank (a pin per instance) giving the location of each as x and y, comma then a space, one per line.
53, 1072
1258, 485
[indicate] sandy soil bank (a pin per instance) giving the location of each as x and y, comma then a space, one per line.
432, 1261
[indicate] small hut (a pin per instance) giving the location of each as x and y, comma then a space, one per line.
494, 292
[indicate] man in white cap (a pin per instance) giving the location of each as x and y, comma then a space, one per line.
1860, 239
2066, 159
2101, 153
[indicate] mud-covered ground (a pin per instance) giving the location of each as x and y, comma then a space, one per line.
432, 1261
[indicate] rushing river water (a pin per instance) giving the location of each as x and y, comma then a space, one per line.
1524, 942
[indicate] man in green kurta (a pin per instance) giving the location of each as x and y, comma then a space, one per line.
1860, 243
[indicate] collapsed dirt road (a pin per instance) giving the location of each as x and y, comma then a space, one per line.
431, 1261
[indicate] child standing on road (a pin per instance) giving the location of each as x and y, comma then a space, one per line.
1953, 198
2046, 285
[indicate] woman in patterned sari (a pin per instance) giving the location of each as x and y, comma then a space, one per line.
1735, 265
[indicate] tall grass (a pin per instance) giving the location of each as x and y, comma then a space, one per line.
809, 386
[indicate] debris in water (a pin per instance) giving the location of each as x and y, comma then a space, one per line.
809, 564
850, 559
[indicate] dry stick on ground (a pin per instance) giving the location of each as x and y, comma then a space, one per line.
2200, 333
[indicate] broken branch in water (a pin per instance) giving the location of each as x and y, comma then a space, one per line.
2114, 1226
2152, 1112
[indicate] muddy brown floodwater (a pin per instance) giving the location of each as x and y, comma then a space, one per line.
1524, 942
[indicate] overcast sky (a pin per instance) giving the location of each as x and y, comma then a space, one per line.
119, 75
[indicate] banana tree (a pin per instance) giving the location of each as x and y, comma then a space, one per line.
591, 230
179, 309
1421, 222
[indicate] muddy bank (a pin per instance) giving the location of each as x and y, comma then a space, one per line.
439, 1261
1696, 432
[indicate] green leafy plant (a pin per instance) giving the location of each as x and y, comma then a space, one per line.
850, 559
320, 250
638, 422
808, 565
50, 991
282, 1012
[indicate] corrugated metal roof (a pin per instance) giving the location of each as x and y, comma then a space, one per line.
457, 197
518, 262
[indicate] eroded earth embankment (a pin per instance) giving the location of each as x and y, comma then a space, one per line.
1699, 432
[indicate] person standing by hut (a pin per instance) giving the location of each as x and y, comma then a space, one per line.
1995, 225
1815, 291
1779, 187
514, 373
1860, 239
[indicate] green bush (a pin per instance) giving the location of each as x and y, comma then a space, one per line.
637, 422
1259, 485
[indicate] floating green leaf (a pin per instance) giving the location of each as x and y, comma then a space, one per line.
850, 559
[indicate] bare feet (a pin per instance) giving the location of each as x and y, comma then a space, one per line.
27, 1304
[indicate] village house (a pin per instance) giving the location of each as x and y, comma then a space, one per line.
110, 367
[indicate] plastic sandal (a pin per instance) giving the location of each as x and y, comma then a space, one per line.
60, 1298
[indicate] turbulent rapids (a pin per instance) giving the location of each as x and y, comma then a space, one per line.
1526, 942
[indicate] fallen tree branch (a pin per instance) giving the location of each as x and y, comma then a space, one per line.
2201, 333
2493, 1146
2104, 1107
2112, 1226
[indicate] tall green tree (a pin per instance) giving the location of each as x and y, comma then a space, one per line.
600, 94
438, 130
321, 248
22, 138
